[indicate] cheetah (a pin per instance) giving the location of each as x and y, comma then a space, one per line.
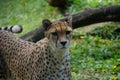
47, 59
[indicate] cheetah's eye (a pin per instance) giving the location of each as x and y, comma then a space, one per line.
68, 32
54, 33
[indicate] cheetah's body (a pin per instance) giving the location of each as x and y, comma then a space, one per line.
34, 61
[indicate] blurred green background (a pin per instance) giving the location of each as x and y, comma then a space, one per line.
93, 57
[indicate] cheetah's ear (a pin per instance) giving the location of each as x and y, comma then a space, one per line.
46, 23
69, 20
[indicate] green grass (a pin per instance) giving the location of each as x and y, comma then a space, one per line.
106, 31
29, 14
92, 57
81, 5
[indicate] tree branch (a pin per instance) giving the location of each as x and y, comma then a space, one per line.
84, 18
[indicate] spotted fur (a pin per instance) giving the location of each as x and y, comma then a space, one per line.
48, 59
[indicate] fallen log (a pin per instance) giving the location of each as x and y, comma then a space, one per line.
84, 18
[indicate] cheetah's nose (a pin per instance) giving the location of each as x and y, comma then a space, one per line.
63, 42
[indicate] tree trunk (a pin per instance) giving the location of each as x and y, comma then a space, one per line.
84, 18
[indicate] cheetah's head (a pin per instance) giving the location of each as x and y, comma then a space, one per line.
58, 33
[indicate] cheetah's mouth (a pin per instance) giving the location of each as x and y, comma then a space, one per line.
64, 47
